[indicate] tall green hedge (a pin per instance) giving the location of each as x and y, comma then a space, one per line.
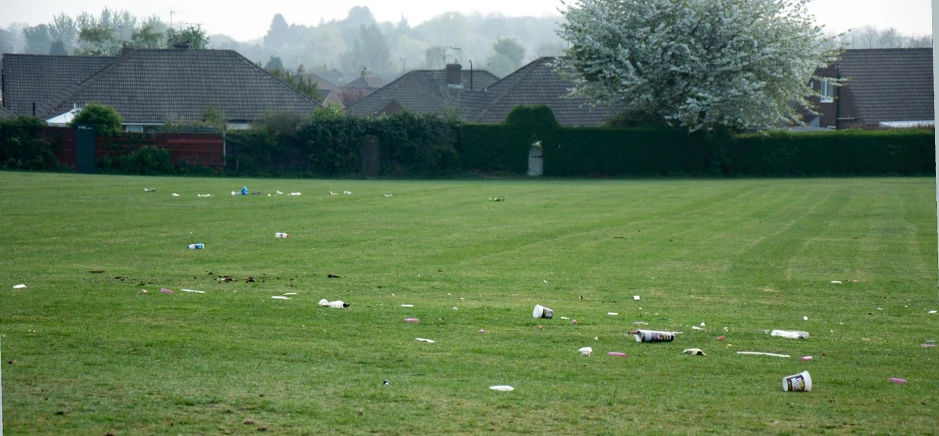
22, 145
584, 152
848, 152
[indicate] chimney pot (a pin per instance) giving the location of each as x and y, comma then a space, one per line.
453, 75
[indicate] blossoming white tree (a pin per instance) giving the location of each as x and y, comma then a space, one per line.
697, 63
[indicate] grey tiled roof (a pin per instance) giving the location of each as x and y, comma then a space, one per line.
368, 82
426, 91
890, 84
156, 86
491, 99
321, 83
29, 79
538, 83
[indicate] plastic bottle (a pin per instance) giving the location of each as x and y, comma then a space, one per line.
280, 235
196, 246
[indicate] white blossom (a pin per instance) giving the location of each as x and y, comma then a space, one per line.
736, 63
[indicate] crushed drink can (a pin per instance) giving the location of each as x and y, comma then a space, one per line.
196, 246
653, 336
280, 235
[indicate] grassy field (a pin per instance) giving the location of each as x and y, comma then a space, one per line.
84, 352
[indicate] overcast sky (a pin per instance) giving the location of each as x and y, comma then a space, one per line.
910, 17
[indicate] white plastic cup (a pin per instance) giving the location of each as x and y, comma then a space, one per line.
541, 312
281, 235
798, 382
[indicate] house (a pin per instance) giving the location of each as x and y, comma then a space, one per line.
429, 91
481, 97
539, 83
890, 87
150, 87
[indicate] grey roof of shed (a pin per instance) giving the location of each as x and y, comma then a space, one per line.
156, 86
890, 84
29, 79
539, 83
426, 91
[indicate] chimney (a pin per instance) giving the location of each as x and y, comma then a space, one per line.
125, 49
365, 72
454, 78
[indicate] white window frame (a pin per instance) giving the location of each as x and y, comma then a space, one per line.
827, 90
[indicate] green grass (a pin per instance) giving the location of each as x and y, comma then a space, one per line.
90, 354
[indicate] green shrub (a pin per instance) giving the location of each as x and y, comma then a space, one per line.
147, 160
22, 146
104, 118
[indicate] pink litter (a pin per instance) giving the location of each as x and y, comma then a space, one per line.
616, 354
411, 320
166, 291
897, 380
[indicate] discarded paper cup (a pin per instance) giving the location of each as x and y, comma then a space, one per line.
541, 312
799, 382
654, 336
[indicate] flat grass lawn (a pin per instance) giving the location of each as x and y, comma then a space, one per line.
85, 352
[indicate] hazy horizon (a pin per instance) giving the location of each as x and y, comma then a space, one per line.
909, 17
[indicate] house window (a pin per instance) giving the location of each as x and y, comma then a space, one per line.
827, 91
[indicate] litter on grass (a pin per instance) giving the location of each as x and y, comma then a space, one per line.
166, 291
805, 358
653, 336
836, 281
790, 334
407, 305
346, 192
502, 388
429, 341
143, 291
294, 193
411, 320
758, 353
929, 345
615, 354
694, 327
192, 290
387, 195
175, 195
897, 380
149, 190
19, 286
695, 351
612, 313
585, 351
338, 304
204, 195
564, 317
280, 297
636, 297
